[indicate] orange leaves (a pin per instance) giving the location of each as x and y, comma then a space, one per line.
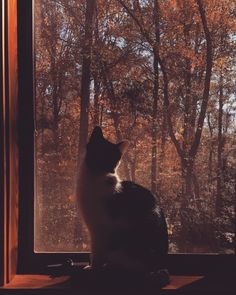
72, 198
122, 99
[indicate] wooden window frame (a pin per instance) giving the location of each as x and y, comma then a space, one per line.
17, 130
9, 160
30, 262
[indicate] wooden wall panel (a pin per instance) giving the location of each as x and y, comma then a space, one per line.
2, 153
13, 160
9, 170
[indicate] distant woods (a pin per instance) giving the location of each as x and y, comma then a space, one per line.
160, 73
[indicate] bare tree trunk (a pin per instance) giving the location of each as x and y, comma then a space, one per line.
210, 158
154, 131
85, 90
156, 14
205, 98
96, 100
101, 116
188, 131
219, 150
86, 73
211, 151
55, 122
163, 143
96, 71
187, 110
196, 188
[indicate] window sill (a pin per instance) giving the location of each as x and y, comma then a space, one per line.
58, 284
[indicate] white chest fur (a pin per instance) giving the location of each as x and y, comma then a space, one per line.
93, 191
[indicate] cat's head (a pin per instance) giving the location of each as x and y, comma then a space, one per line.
103, 156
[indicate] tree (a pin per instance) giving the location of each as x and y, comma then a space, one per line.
156, 53
86, 74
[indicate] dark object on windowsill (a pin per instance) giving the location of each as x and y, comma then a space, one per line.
68, 267
109, 276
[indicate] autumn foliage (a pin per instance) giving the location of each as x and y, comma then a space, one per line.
159, 73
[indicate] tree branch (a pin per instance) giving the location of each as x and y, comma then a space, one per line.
209, 64
139, 24
152, 43
167, 110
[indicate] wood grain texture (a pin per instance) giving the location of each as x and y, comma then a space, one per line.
9, 144
37, 282
177, 282
13, 181
2, 154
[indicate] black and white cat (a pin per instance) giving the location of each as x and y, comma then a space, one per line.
125, 222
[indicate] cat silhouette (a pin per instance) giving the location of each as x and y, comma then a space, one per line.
126, 224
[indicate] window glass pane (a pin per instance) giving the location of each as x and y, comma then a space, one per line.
195, 179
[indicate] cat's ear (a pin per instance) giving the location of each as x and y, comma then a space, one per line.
123, 146
96, 134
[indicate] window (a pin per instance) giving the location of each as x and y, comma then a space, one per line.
124, 90
127, 98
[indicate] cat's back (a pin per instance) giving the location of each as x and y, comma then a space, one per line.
133, 200
146, 230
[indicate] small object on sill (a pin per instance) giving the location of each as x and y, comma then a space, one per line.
68, 267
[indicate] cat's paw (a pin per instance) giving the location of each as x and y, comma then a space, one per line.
88, 267
94, 267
